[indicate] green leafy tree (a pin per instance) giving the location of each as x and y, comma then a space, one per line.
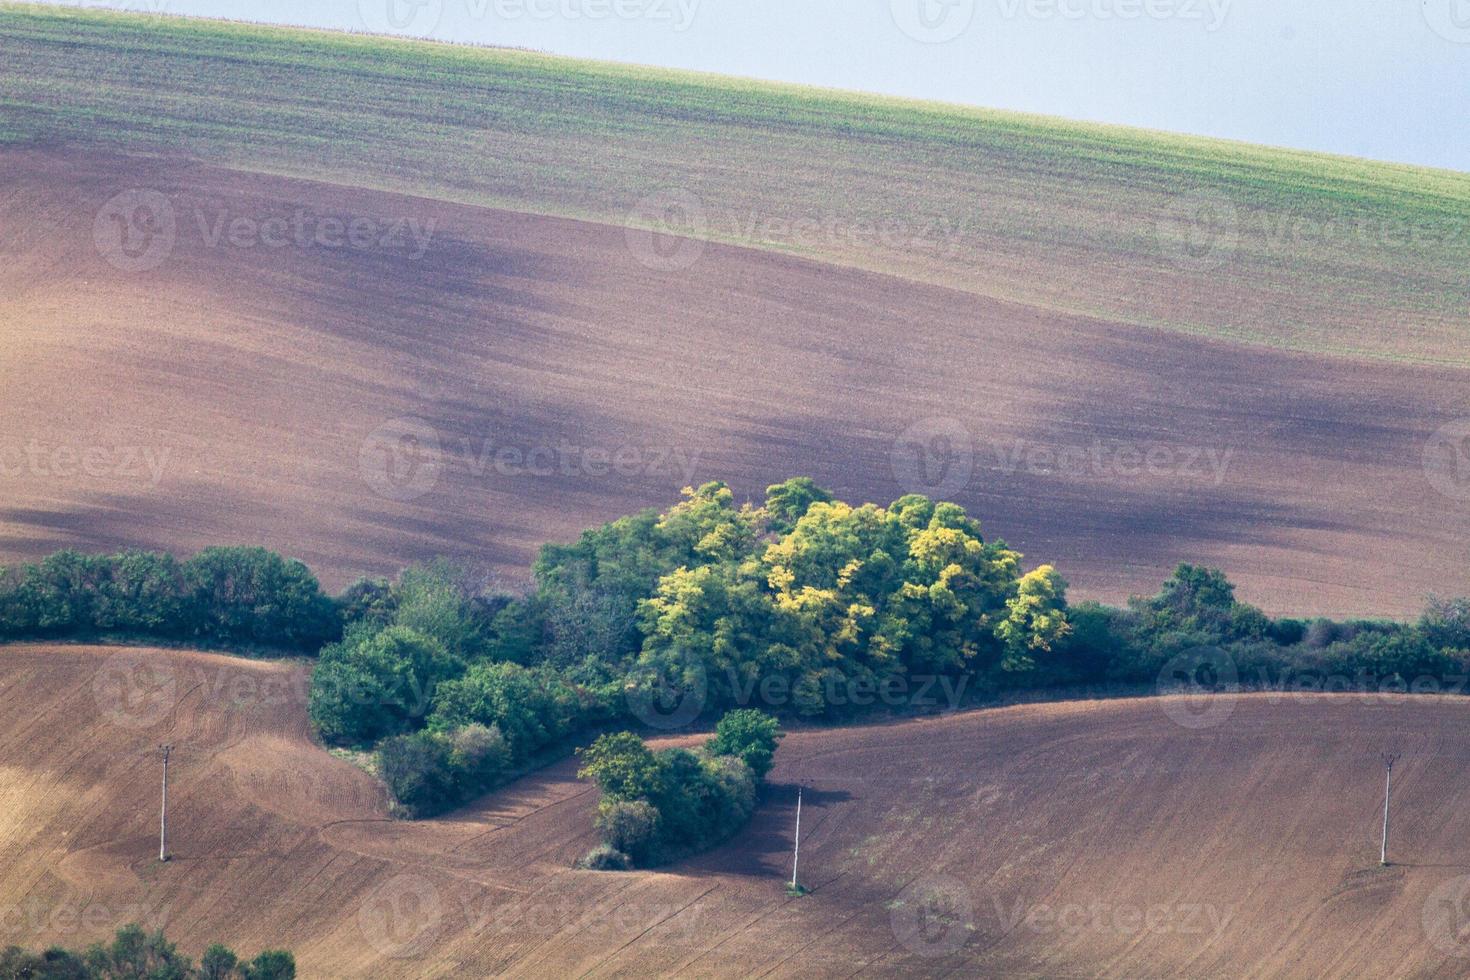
1036, 618
531, 707
623, 767
273, 964
219, 963
750, 736
1446, 623
135, 953
435, 600
254, 596
370, 601
868, 593
708, 631
375, 684
787, 503
144, 595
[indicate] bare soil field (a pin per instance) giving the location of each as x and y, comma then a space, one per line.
1300, 251
360, 379
1157, 837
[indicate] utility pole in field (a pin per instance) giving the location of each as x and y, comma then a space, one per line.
1388, 760
796, 853
163, 816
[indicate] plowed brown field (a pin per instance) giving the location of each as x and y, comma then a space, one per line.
507, 379
1083, 839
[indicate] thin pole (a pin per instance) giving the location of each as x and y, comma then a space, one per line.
1388, 761
163, 815
796, 854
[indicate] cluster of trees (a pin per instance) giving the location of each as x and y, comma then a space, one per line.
659, 806
807, 593
456, 688
792, 605
134, 955
242, 598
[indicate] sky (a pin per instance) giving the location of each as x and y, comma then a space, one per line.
1385, 79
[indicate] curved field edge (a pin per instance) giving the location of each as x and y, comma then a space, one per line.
1295, 250
1105, 838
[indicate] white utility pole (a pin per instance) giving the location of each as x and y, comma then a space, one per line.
796, 854
163, 816
1388, 761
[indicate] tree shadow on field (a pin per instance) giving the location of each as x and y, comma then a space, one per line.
763, 849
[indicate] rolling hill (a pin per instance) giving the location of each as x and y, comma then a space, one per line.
1291, 249
1088, 838
267, 395
471, 330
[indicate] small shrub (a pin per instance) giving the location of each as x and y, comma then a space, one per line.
631, 827
479, 757
419, 773
605, 858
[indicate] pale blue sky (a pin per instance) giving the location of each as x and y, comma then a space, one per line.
1388, 79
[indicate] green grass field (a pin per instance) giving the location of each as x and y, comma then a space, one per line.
1305, 251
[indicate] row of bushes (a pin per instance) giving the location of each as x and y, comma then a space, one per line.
134, 954
659, 806
244, 598
1196, 610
